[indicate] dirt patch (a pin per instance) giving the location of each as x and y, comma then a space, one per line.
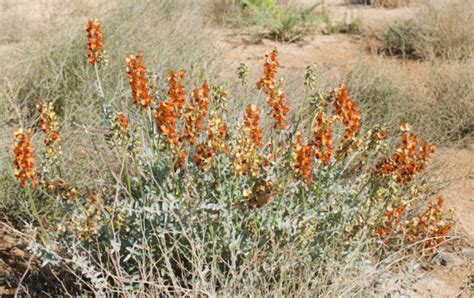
22, 273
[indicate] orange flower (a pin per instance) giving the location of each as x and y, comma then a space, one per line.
251, 119
390, 220
302, 162
348, 111
204, 156
176, 92
24, 158
430, 225
165, 116
196, 112
180, 160
123, 122
49, 125
216, 135
407, 160
322, 133
95, 40
269, 72
275, 97
138, 80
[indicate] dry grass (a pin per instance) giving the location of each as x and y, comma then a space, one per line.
441, 29
436, 98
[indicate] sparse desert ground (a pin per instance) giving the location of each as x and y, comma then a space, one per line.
29, 28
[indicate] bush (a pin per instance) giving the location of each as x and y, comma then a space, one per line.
441, 29
271, 20
349, 27
203, 202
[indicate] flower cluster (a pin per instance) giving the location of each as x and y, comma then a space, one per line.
390, 220
322, 133
215, 142
137, 76
348, 112
275, 98
408, 160
246, 158
429, 225
50, 127
63, 189
120, 134
220, 95
24, 158
166, 118
95, 40
251, 118
169, 111
176, 92
302, 158
195, 112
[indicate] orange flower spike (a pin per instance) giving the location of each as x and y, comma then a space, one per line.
322, 134
137, 76
251, 118
270, 69
165, 116
302, 162
275, 98
24, 162
176, 91
196, 112
280, 110
95, 40
349, 113
407, 161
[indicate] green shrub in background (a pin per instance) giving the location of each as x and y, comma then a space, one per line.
272, 20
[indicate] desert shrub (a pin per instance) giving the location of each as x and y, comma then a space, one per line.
203, 202
436, 97
440, 29
273, 21
400, 39
353, 26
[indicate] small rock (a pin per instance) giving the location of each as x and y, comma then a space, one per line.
17, 252
468, 253
447, 259
9, 240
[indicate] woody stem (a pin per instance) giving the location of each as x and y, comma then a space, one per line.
36, 214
